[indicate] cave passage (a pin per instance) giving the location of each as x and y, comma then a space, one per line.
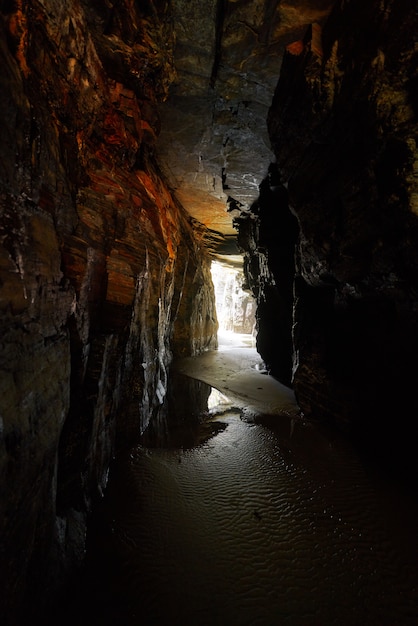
231, 520
178, 483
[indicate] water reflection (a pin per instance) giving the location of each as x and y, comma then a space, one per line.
191, 415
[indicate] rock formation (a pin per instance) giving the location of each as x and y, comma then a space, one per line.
134, 145
343, 129
103, 275
227, 57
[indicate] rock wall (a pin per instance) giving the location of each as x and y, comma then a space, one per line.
102, 278
343, 126
267, 236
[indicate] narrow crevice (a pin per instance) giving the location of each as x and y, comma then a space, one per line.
269, 12
220, 18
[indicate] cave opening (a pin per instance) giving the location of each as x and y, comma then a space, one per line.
235, 306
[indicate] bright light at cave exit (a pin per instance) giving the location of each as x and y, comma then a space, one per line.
235, 308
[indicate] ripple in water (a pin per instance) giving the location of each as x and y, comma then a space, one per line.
254, 526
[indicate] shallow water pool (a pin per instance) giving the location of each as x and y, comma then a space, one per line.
253, 526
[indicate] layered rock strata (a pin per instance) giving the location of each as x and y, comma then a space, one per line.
103, 276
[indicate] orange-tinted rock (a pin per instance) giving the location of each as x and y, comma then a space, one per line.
296, 47
97, 262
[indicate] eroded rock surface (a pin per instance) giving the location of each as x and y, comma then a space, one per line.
227, 56
100, 269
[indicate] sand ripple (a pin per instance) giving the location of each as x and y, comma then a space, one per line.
261, 528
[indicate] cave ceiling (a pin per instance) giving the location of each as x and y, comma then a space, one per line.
214, 147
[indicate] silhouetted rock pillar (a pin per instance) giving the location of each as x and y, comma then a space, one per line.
343, 130
268, 236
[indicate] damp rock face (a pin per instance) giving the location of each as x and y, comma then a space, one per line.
343, 129
102, 278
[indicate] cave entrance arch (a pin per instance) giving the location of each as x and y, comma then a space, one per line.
235, 306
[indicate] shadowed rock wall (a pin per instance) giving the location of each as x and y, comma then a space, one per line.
343, 128
99, 270
267, 236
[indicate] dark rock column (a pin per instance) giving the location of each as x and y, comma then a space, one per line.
268, 235
344, 131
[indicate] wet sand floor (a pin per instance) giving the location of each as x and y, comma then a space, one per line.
236, 370
259, 525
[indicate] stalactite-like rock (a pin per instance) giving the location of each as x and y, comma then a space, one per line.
92, 274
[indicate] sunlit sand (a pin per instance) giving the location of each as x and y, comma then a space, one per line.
237, 370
